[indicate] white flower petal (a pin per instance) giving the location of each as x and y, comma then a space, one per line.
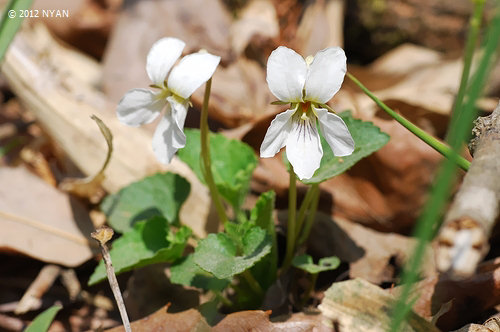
191, 72
303, 148
335, 132
139, 106
162, 57
168, 138
325, 75
286, 74
276, 134
179, 110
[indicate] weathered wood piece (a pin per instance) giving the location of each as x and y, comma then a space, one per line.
463, 238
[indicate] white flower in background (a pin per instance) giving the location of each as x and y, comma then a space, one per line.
141, 106
307, 86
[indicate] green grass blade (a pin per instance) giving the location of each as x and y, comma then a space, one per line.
10, 23
470, 46
427, 223
42, 322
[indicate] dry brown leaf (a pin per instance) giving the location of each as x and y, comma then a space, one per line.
258, 19
243, 321
161, 321
357, 305
258, 320
87, 26
40, 221
321, 26
471, 297
475, 328
63, 100
371, 255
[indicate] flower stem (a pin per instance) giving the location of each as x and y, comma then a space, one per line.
292, 207
433, 142
302, 211
254, 284
310, 289
311, 215
474, 25
205, 155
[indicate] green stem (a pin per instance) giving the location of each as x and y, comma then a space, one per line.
447, 174
311, 215
470, 45
440, 147
302, 211
254, 285
292, 207
205, 155
222, 299
310, 289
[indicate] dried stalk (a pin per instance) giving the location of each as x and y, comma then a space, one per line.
103, 235
463, 238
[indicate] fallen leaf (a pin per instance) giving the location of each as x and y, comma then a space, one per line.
87, 25
257, 320
471, 297
357, 305
371, 255
42, 222
257, 19
161, 321
321, 26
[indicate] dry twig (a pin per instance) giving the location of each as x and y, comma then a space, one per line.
103, 235
32, 298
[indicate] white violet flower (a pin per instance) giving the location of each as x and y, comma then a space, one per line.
307, 86
141, 106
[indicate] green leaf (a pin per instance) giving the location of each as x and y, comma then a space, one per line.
261, 215
305, 262
42, 321
161, 194
151, 241
232, 164
218, 254
368, 139
186, 272
11, 21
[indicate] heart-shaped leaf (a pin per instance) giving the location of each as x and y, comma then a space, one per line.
151, 241
232, 164
161, 194
186, 272
218, 254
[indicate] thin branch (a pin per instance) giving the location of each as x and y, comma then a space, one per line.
103, 235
